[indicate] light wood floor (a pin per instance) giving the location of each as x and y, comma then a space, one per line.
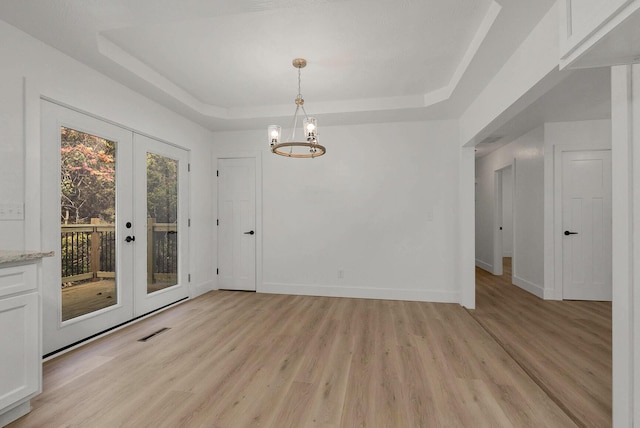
233, 359
565, 346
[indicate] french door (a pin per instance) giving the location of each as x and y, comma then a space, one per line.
160, 208
115, 210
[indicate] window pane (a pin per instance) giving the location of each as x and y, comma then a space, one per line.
87, 217
162, 222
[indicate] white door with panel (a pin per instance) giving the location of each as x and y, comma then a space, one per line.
115, 207
237, 224
88, 159
586, 225
160, 209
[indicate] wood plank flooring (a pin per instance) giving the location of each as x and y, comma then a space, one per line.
233, 359
565, 346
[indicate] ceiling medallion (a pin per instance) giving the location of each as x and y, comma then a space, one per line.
309, 148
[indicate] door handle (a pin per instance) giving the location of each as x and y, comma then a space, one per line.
130, 238
567, 233
251, 232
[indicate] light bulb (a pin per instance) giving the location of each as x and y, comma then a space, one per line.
311, 128
274, 134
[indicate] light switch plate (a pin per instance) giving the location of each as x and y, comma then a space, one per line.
11, 211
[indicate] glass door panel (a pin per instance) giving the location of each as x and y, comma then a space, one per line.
160, 203
87, 223
162, 222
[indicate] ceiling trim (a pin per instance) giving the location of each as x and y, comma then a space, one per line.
133, 65
483, 30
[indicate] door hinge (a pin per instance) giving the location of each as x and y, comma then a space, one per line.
189, 223
188, 167
217, 173
189, 277
217, 222
217, 271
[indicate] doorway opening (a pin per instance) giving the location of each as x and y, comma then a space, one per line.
503, 237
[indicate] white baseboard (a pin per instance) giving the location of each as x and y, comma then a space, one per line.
507, 254
550, 294
485, 266
15, 412
438, 296
201, 288
532, 288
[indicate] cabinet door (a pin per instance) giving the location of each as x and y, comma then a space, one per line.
17, 279
20, 362
596, 33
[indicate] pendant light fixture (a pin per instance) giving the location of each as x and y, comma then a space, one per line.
307, 147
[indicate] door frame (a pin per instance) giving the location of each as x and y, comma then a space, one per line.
257, 157
498, 208
558, 150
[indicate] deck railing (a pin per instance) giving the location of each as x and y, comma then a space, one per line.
88, 251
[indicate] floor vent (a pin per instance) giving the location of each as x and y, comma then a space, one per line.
162, 330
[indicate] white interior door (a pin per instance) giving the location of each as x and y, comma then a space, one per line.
507, 212
503, 217
586, 219
237, 224
161, 224
497, 226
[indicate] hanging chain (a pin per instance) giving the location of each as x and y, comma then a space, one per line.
299, 103
299, 80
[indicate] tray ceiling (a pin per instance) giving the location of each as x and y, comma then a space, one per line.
223, 63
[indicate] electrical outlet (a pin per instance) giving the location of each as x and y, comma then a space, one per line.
11, 211
430, 215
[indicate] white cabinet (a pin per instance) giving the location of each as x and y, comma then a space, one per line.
599, 32
19, 343
20, 334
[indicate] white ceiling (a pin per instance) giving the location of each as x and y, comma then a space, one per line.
583, 94
227, 64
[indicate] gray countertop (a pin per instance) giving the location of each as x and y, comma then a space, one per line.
11, 256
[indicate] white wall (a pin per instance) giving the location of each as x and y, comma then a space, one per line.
527, 74
560, 136
52, 74
625, 119
528, 208
381, 206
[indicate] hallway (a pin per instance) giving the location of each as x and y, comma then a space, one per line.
564, 346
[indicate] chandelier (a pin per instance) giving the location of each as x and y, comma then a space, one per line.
303, 148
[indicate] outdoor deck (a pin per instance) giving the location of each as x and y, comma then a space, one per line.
88, 297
